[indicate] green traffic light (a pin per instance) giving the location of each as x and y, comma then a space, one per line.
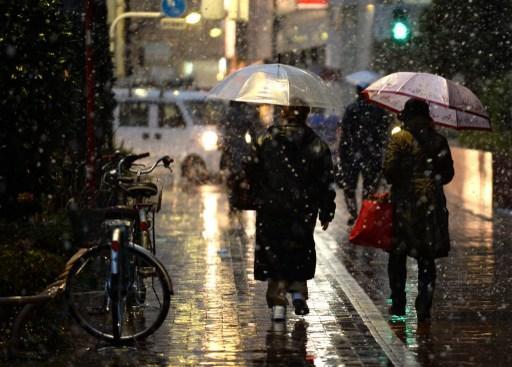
400, 31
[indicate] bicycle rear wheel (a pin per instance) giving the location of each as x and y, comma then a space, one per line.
117, 305
143, 294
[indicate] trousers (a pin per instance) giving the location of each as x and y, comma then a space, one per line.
277, 289
397, 272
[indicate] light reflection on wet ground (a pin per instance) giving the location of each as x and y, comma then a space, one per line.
472, 184
471, 323
219, 316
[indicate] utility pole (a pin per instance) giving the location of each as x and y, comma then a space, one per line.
89, 111
276, 22
118, 40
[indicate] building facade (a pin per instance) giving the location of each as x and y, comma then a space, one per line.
331, 37
164, 52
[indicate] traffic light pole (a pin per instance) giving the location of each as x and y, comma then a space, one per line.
116, 47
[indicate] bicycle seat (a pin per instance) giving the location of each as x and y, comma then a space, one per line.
145, 189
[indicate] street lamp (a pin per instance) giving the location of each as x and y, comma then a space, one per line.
215, 32
193, 18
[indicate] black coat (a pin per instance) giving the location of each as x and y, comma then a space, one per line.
240, 119
417, 165
364, 130
292, 174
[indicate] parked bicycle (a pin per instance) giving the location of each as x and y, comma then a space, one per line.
128, 185
117, 290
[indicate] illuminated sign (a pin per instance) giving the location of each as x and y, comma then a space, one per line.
312, 4
289, 6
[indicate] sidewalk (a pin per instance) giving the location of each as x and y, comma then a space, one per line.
219, 317
471, 323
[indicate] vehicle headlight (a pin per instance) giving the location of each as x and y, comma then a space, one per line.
209, 140
248, 138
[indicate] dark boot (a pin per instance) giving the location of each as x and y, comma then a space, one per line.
426, 286
397, 273
398, 303
301, 307
423, 302
422, 312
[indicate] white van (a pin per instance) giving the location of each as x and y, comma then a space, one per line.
182, 124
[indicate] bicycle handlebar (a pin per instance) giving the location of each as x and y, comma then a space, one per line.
166, 160
129, 160
124, 164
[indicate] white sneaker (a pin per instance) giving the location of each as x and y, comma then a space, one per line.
278, 313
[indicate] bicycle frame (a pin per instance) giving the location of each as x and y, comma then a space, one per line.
121, 273
147, 235
115, 245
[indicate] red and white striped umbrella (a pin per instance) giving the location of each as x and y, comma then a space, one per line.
451, 104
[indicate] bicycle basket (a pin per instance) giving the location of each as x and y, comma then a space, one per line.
86, 225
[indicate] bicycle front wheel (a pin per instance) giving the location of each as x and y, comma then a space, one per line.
145, 288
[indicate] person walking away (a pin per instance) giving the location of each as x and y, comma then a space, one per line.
363, 136
417, 164
325, 124
241, 119
292, 171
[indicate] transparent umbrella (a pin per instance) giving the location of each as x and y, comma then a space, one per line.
451, 104
276, 84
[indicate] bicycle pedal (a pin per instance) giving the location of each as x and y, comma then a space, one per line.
147, 271
137, 309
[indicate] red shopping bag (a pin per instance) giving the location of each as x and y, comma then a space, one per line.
373, 227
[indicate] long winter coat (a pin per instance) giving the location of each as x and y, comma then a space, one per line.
292, 174
240, 119
417, 165
363, 136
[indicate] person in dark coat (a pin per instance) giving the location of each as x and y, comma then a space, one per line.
417, 164
241, 119
364, 130
292, 174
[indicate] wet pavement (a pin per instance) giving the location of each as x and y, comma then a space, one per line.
471, 323
219, 316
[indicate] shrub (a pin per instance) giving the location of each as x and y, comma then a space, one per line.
25, 270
